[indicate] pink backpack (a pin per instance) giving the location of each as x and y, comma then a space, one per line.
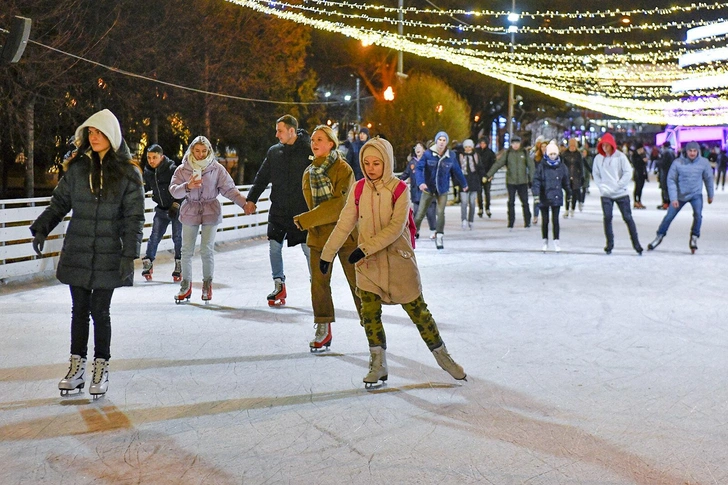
401, 187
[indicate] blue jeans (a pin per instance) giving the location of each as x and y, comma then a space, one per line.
425, 200
207, 249
159, 227
275, 252
624, 207
697, 204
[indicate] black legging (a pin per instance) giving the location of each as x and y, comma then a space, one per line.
639, 183
545, 220
721, 173
95, 303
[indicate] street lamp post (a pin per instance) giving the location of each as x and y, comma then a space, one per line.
513, 19
400, 60
358, 111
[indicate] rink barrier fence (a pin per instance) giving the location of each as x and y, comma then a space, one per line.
18, 259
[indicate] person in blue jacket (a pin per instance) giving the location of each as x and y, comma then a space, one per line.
685, 185
432, 174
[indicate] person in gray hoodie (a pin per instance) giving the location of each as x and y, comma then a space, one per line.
612, 174
685, 185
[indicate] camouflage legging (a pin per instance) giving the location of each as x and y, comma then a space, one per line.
371, 317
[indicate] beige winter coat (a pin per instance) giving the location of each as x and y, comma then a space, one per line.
389, 268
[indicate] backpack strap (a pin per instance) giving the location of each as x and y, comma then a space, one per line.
358, 189
398, 190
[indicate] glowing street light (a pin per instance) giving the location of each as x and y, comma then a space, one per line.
389, 94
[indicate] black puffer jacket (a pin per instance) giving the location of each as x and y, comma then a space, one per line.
102, 229
157, 180
550, 182
283, 167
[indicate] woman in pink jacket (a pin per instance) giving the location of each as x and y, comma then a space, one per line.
199, 180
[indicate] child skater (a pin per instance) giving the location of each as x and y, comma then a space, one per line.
549, 182
386, 268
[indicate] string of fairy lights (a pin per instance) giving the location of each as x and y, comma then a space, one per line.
633, 81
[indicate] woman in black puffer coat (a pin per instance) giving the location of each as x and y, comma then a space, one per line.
549, 183
104, 189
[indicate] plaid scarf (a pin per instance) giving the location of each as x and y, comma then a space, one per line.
321, 187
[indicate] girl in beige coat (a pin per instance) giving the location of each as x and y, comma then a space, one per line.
386, 268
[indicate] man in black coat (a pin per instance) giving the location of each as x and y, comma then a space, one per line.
487, 158
157, 176
283, 168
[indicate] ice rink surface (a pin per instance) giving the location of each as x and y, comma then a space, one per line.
582, 368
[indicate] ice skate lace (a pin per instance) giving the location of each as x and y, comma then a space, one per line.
184, 287
73, 368
99, 369
320, 330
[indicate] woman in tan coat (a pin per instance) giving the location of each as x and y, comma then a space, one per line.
386, 268
326, 183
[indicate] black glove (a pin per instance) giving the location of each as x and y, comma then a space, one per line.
126, 268
324, 266
173, 211
356, 256
38, 242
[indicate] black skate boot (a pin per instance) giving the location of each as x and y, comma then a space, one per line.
177, 273
655, 243
322, 340
693, 243
278, 296
184, 293
100, 380
75, 377
377, 368
147, 269
207, 290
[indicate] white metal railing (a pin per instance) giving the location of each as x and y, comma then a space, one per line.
17, 257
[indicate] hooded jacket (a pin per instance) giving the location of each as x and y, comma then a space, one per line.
613, 173
686, 178
389, 268
106, 225
200, 205
157, 180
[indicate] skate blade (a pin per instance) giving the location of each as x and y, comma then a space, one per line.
319, 350
375, 385
71, 392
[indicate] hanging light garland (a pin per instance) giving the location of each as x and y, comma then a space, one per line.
636, 88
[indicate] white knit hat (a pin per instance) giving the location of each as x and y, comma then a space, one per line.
106, 123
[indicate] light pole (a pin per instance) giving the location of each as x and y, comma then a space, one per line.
400, 60
513, 18
358, 111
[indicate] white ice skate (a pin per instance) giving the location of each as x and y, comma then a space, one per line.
442, 356
439, 240
377, 368
100, 380
693, 243
75, 377
322, 340
557, 247
545, 246
177, 273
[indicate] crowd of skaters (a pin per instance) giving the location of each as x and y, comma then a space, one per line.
331, 201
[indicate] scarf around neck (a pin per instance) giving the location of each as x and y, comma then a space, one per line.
467, 162
321, 187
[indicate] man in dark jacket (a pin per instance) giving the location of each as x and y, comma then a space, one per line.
157, 176
519, 174
664, 164
352, 154
487, 158
283, 168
